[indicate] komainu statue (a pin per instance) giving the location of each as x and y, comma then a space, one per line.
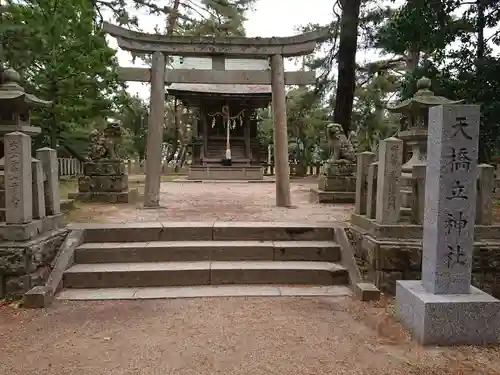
105, 145
341, 148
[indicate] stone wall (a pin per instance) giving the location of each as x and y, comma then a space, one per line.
383, 264
24, 265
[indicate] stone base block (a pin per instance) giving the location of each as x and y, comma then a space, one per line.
38, 297
117, 184
28, 231
321, 196
366, 292
104, 168
26, 264
452, 319
219, 172
337, 183
67, 205
101, 197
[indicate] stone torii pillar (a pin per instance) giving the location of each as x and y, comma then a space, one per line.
155, 131
283, 198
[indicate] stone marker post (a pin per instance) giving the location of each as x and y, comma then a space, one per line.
389, 173
38, 190
48, 157
364, 160
418, 204
18, 189
486, 186
371, 204
444, 308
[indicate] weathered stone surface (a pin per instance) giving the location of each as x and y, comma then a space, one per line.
485, 188
371, 190
38, 193
109, 184
321, 196
48, 157
104, 168
337, 183
389, 174
25, 232
155, 131
24, 265
18, 185
363, 162
384, 261
366, 292
441, 319
102, 197
38, 297
450, 199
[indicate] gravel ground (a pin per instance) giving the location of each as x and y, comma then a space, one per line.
222, 336
218, 201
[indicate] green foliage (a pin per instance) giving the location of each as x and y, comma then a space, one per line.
306, 120
134, 120
452, 48
63, 56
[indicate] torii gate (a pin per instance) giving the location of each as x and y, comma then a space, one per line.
160, 46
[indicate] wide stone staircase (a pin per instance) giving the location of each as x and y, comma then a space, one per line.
162, 260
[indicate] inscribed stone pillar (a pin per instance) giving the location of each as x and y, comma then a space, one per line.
443, 308
450, 199
38, 193
486, 185
371, 202
364, 160
155, 131
280, 132
18, 193
389, 174
418, 206
48, 157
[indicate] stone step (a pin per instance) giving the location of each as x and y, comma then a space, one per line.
204, 291
206, 231
174, 251
163, 274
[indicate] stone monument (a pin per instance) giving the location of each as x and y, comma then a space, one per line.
443, 308
32, 227
337, 181
104, 178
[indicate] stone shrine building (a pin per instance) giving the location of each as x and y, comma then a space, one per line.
226, 120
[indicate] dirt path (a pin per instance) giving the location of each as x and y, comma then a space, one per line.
219, 201
236, 336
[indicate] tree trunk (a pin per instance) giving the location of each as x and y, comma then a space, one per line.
480, 52
346, 82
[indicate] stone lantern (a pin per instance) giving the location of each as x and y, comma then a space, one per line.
15, 105
413, 131
415, 121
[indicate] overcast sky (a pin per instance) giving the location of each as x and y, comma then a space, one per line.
270, 18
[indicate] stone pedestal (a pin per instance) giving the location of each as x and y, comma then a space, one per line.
103, 181
448, 319
443, 308
336, 184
